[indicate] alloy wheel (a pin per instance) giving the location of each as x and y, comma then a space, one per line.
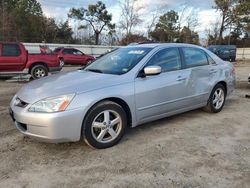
218, 98
39, 73
106, 126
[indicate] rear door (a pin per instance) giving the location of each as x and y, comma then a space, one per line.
203, 73
167, 92
11, 58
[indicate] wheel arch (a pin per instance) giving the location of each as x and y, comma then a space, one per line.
117, 100
224, 84
38, 63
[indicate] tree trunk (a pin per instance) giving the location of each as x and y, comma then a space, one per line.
221, 28
97, 38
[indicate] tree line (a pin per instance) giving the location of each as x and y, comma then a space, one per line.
24, 20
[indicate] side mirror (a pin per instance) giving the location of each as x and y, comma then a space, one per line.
152, 70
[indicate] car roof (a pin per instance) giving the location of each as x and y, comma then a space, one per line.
222, 46
65, 48
155, 45
6, 42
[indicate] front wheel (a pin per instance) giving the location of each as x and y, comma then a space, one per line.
104, 125
217, 99
62, 63
38, 71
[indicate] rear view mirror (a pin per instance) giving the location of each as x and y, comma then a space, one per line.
152, 70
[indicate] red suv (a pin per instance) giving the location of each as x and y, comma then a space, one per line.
73, 56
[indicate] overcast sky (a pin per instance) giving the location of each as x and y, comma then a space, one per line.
59, 9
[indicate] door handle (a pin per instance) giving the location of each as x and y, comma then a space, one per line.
180, 78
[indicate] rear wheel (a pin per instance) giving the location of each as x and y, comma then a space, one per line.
104, 125
217, 99
39, 71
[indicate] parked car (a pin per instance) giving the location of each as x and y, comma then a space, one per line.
225, 52
73, 56
130, 86
249, 79
14, 59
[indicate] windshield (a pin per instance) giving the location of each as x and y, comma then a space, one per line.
119, 61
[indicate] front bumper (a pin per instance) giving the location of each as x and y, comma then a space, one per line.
49, 127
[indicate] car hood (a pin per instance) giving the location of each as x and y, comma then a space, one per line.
66, 83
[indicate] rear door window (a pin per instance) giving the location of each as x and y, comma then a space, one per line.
11, 50
194, 57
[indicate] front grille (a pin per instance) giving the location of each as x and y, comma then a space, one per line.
20, 103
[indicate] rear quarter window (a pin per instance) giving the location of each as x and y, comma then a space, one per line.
11, 50
210, 60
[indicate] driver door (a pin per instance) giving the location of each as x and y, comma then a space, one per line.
167, 92
80, 58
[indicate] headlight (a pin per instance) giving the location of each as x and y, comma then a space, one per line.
53, 104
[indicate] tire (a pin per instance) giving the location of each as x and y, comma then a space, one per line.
39, 71
62, 63
100, 133
215, 105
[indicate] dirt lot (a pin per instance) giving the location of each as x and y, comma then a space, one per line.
194, 149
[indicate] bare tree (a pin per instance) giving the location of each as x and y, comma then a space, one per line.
226, 9
156, 13
192, 19
213, 32
182, 17
152, 23
130, 15
188, 17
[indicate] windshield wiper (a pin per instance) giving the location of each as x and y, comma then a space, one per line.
94, 70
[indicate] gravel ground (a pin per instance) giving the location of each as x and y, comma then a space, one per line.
194, 149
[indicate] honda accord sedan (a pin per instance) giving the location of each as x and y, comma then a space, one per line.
127, 87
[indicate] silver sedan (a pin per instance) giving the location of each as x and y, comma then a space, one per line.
127, 87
